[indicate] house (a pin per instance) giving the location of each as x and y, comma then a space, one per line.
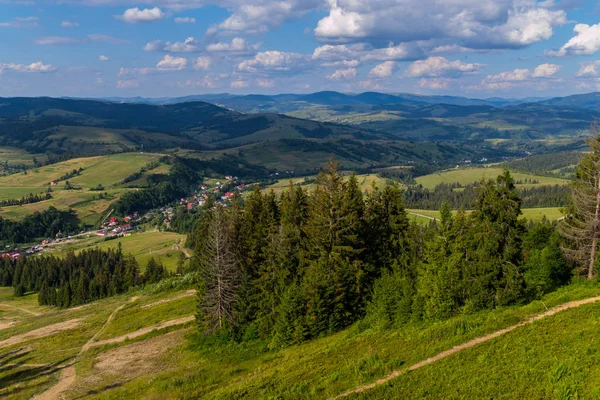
228, 177
113, 221
127, 218
190, 206
101, 233
13, 255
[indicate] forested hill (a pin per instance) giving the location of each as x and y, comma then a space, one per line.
86, 126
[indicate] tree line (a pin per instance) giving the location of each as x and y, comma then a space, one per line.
79, 278
301, 265
45, 224
29, 199
418, 197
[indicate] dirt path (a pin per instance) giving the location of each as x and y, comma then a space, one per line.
20, 309
41, 332
145, 331
422, 216
68, 374
188, 293
467, 345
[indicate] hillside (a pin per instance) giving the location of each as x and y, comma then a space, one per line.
135, 344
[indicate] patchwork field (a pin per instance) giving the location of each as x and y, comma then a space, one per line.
107, 171
465, 176
143, 345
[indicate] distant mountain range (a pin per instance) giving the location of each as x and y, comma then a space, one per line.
289, 101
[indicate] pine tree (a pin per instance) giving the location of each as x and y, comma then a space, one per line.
581, 227
82, 291
220, 276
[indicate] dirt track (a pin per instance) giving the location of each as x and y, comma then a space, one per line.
20, 309
41, 332
467, 345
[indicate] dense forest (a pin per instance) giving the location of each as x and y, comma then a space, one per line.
298, 266
77, 278
44, 224
538, 196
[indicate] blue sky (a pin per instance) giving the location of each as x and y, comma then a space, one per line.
156, 48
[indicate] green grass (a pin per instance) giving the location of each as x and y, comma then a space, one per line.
465, 176
528, 359
142, 245
424, 217
365, 183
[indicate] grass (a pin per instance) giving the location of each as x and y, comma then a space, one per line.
546, 356
465, 176
425, 217
365, 183
142, 245
100, 170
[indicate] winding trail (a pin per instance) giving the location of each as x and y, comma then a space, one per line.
68, 374
144, 331
20, 309
467, 345
421, 215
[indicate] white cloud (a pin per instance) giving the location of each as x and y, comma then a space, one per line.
21, 22
589, 69
135, 15
202, 63
585, 42
127, 84
276, 62
434, 83
435, 67
33, 67
170, 63
363, 52
342, 63
237, 45
384, 70
259, 16
69, 24
265, 83
239, 84
185, 20
132, 72
343, 74
155, 45
510, 76
54, 40
545, 71
370, 85
189, 45
475, 23
103, 58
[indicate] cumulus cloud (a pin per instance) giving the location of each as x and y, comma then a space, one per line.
237, 45
343, 74
95, 37
21, 22
435, 67
239, 84
202, 63
589, 69
265, 83
364, 52
585, 42
185, 20
103, 58
276, 62
520, 74
384, 70
475, 23
33, 67
170, 63
434, 83
545, 71
135, 15
132, 72
69, 24
259, 16
370, 85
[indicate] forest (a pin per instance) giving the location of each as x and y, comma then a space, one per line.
45, 224
302, 265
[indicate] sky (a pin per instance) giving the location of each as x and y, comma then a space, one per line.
168, 48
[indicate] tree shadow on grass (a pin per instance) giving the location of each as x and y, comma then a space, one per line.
18, 375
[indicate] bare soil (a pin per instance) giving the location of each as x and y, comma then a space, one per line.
41, 332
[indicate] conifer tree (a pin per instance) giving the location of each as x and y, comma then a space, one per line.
220, 276
581, 226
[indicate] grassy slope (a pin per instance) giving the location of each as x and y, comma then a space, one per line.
465, 176
142, 245
531, 214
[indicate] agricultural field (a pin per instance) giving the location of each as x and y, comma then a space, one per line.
107, 171
163, 246
465, 176
424, 217
143, 344
365, 182
14, 155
